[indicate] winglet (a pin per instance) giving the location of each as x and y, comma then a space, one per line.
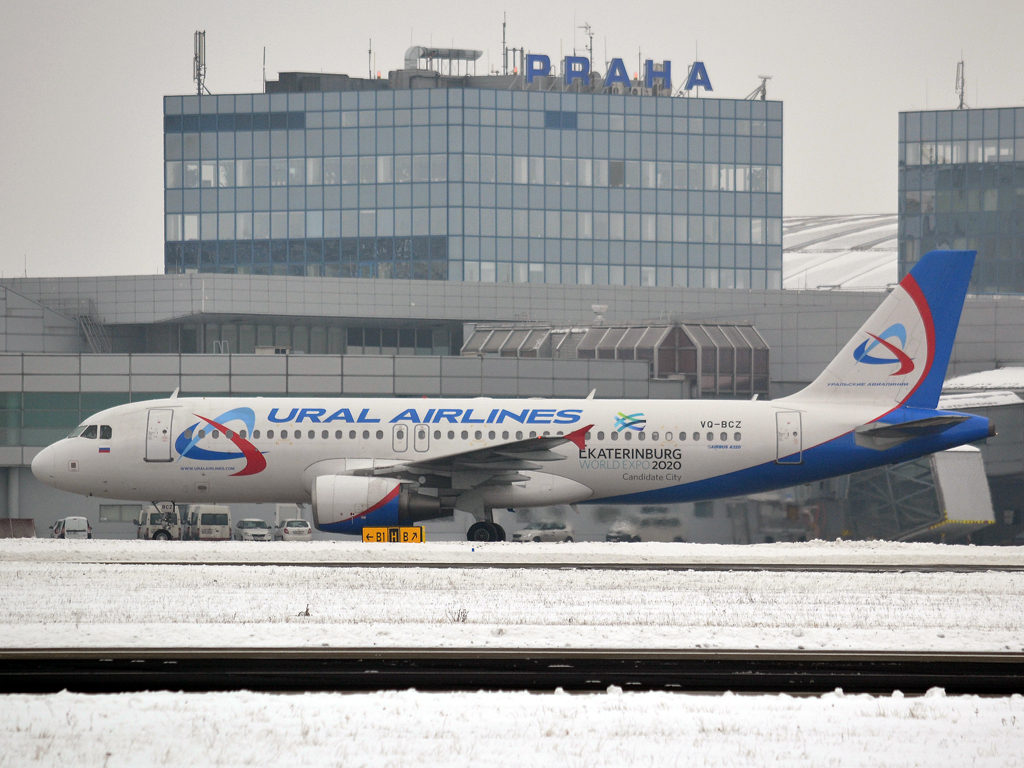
578, 438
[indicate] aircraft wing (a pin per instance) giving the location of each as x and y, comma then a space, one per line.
496, 465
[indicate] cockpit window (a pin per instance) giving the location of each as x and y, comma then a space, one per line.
77, 431
90, 432
106, 432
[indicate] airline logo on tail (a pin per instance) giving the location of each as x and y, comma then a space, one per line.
862, 354
187, 444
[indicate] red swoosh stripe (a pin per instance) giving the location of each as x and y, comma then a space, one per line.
906, 364
256, 462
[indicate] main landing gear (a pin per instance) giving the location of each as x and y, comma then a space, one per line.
487, 530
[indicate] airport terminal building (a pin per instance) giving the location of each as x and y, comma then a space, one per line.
437, 235
475, 178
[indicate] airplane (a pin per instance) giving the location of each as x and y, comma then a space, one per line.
392, 461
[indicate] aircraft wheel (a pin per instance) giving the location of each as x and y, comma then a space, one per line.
482, 532
501, 533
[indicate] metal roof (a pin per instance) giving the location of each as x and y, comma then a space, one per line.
839, 252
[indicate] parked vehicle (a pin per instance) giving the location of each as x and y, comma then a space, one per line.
72, 528
252, 529
208, 522
293, 530
161, 523
548, 530
652, 524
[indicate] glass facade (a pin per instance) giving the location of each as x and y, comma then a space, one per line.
476, 184
961, 186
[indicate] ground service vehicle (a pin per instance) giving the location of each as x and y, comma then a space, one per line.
72, 528
159, 523
391, 461
209, 522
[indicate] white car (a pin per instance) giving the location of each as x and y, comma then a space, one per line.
252, 529
72, 528
544, 531
294, 530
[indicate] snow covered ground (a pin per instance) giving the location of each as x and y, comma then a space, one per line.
56, 604
411, 729
803, 554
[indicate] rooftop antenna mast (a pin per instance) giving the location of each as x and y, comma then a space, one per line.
369, 60
504, 48
199, 62
589, 32
761, 92
960, 87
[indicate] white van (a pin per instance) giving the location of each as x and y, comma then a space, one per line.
72, 528
159, 523
209, 522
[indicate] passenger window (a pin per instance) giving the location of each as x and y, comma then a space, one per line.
451, 434
628, 435
711, 436
724, 436
270, 434
323, 434
437, 434
668, 436
338, 435
465, 435
366, 434
614, 435
380, 434
532, 434
284, 434
737, 437
202, 433
90, 432
600, 436
696, 436
188, 433
490, 435
255, 434
215, 434
642, 436
654, 435
106, 432
519, 435
242, 434
477, 435
311, 434
352, 434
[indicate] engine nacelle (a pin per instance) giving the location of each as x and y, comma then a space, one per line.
347, 504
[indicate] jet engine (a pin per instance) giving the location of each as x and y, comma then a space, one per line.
348, 503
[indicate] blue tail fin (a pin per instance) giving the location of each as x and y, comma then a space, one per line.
942, 278
899, 356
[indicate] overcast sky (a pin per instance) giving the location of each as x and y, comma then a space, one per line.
81, 125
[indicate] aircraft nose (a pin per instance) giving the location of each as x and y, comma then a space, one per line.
42, 465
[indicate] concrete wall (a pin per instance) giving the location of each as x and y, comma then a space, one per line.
805, 329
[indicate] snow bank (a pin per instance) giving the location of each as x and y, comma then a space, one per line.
413, 729
653, 554
91, 605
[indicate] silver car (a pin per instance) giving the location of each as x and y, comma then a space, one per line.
294, 530
252, 529
544, 531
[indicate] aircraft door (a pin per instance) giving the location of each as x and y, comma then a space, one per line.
158, 435
400, 438
421, 437
789, 436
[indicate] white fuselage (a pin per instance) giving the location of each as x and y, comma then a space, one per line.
680, 442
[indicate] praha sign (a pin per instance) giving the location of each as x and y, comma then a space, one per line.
578, 68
